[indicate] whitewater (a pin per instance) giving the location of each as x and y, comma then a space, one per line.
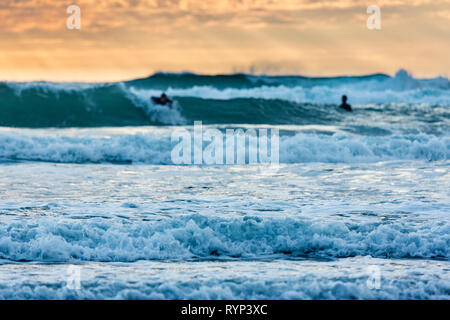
357, 208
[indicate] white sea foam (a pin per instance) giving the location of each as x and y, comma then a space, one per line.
341, 279
60, 239
154, 148
157, 113
402, 88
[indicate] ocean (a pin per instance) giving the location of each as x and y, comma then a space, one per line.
93, 206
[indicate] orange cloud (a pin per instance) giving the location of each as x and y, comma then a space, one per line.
127, 38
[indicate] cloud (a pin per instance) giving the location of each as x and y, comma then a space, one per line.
274, 36
47, 15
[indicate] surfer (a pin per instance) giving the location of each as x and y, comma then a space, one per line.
344, 104
163, 100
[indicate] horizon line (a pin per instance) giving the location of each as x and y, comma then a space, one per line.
242, 73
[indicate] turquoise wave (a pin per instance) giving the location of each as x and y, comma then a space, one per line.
220, 99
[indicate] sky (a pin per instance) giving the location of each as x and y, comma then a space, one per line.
126, 39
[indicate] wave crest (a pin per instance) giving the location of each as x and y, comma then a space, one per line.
152, 148
213, 99
198, 236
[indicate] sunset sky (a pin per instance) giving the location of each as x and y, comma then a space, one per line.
124, 39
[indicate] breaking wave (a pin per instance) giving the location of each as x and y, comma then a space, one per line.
213, 99
152, 148
198, 236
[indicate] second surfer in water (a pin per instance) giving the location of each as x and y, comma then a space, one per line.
344, 105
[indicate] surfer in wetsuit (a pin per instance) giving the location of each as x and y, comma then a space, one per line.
163, 100
345, 105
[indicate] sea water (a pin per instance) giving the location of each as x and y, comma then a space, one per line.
92, 206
